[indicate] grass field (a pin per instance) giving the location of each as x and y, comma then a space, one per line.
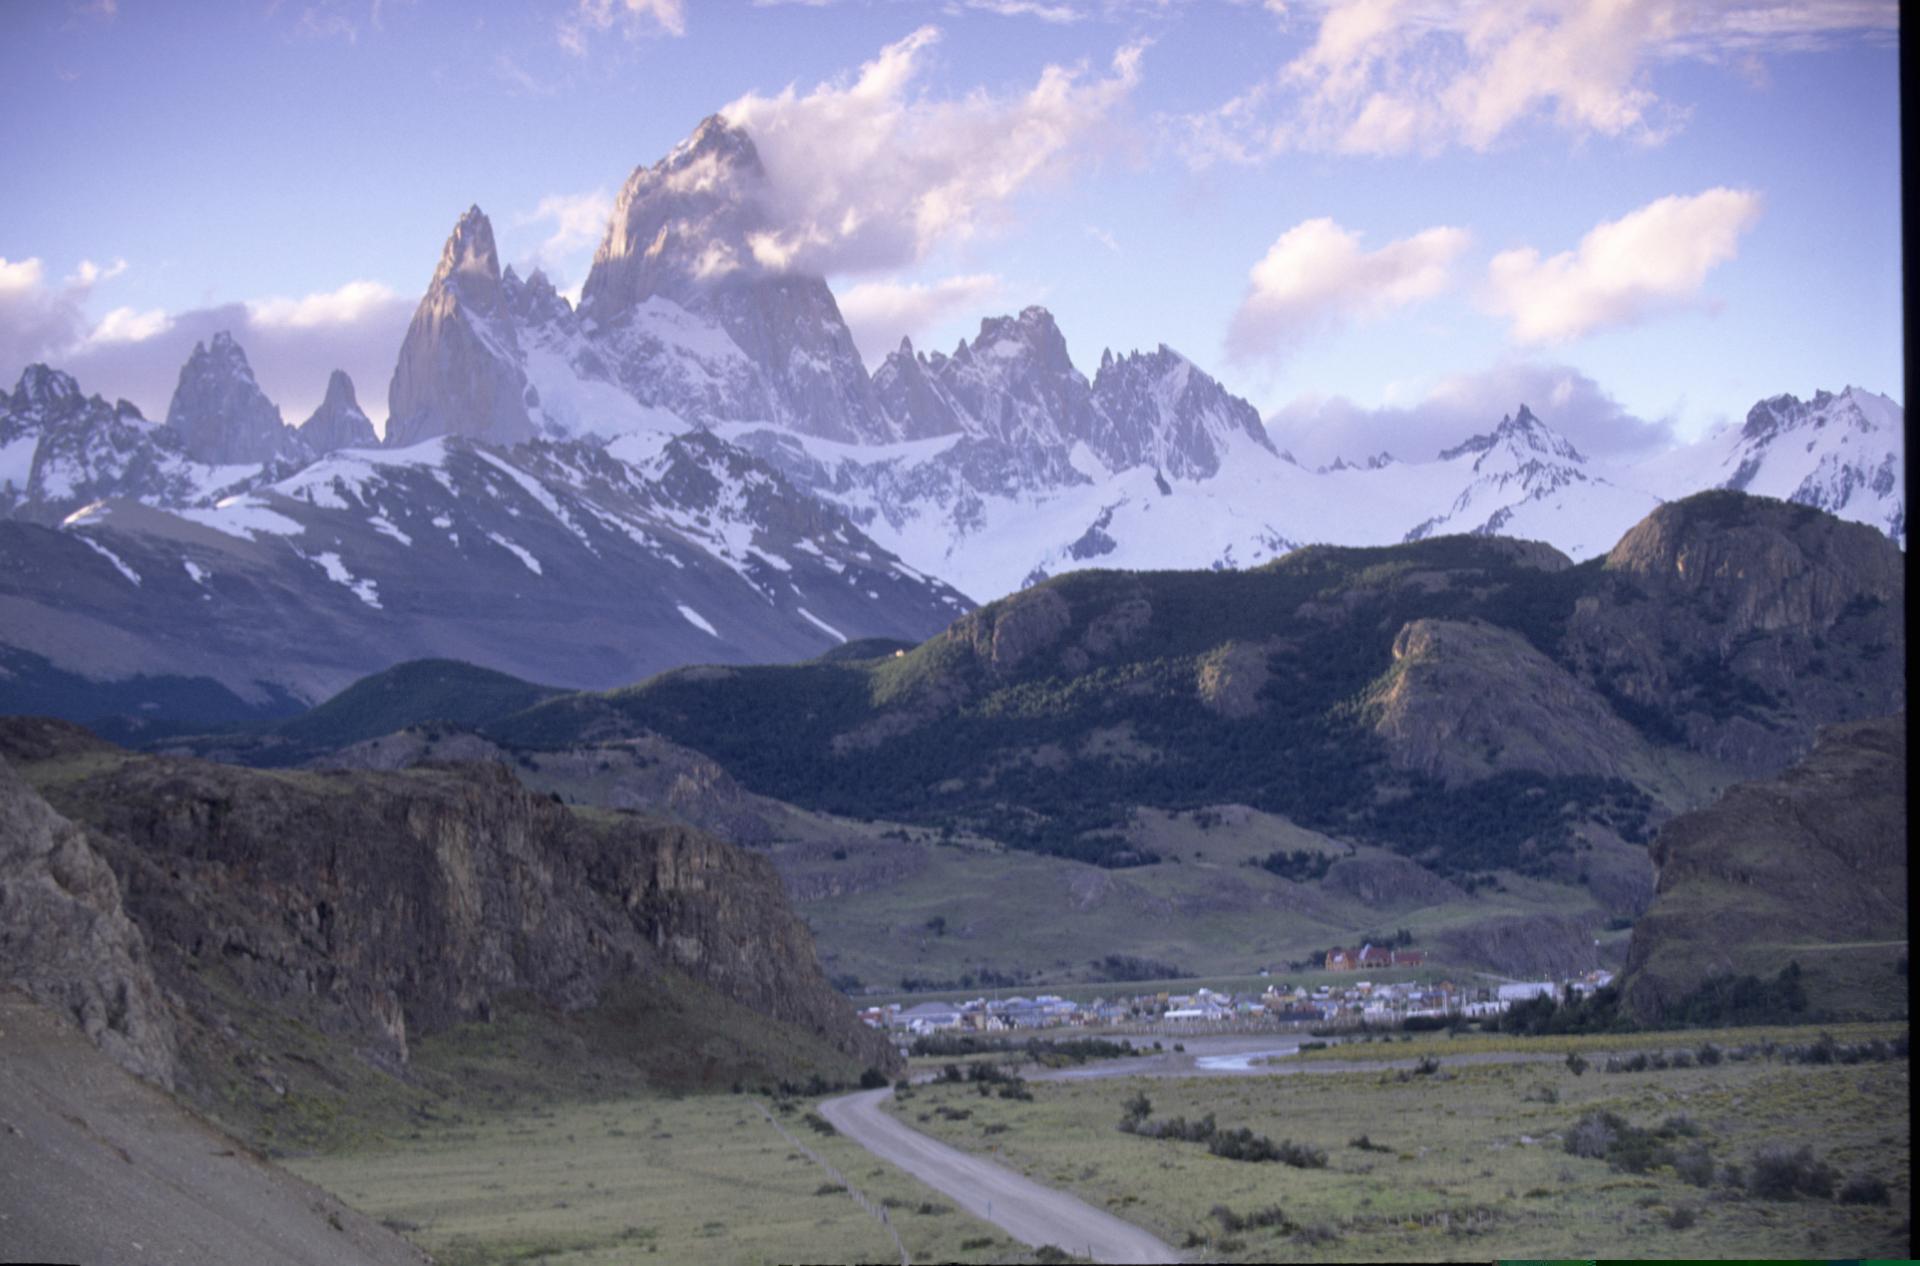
960, 908
1471, 1162
1441, 1045
673, 1179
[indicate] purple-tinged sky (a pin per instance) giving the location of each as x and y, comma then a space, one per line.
1642, 214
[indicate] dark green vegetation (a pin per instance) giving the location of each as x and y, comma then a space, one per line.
418, 692
1019, 758
1043, 720
30, 685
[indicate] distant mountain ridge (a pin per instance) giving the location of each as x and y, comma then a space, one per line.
986, 470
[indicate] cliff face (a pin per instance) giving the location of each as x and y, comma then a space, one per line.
383, 906
1815, 857
1739, 625
65, 939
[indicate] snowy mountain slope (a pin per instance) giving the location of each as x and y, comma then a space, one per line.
1524, 479
559, 562
60, 449
1844, 453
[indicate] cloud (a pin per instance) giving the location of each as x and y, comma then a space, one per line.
635, 18
880, 313
579, 221
1103, 237
1648, 261
349, 305
1399, 76
292, 343
1316, 429
867, 174
1316, 277
1058, 14
38, 319
125, 325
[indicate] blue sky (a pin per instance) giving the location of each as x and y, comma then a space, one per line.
1366, 216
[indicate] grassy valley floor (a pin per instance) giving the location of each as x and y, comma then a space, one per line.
1468, 1162
699, 1178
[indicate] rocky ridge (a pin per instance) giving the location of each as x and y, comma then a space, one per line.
381, 907
1801, 864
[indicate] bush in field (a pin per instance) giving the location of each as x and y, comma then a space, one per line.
1708, 1055
1231, 1222
1575, 1064
1366, 1144
1695, 1165
819, 1124
1864, 1189
1682, 1217
1779, 1172
1593, 1134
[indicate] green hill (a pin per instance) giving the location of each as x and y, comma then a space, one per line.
1380, 695
414, 693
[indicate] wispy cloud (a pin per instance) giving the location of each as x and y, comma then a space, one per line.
1316, 277
1652, 260
633, 18
881, 313
868, 174
1103, 237
578, 221
1401, 76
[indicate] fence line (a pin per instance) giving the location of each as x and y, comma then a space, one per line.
878, 1212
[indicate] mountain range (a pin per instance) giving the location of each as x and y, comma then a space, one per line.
694, 465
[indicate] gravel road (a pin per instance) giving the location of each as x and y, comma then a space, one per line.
1024, 1209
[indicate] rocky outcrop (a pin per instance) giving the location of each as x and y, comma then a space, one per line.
1737, 625
378, 907
459, 370
1539, 946
1383, 882
65, 939
338, 422
222, 416
1815, 856
1466, 699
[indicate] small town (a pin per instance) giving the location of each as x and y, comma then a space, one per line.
1360, 1003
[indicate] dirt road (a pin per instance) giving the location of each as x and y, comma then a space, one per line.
1023, 1208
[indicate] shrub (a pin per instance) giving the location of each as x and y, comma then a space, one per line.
1575, 1064
1777, 1172
819, 1124
1695, 1165
1864, 1189
1593, 1134
1708, 1055
1682, 1217
828, 1189
872, 1079
1366, 1144
1682, 1059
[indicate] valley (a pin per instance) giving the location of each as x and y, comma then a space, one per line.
672, 766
